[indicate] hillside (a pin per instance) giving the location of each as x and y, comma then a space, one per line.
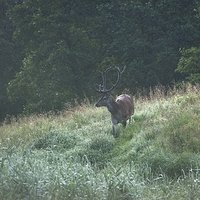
73, 155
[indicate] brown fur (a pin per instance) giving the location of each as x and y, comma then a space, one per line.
121, 108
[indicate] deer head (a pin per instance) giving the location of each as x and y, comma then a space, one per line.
106, 97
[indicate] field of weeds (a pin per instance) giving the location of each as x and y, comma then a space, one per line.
73, 155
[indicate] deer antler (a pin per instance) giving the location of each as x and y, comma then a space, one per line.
102, 87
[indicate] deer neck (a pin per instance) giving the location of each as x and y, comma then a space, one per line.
112, 106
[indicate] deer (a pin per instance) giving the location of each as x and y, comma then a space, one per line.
121, 107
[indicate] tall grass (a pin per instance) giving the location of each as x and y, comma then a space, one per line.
73, 155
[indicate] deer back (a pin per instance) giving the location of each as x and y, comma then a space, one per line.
125, 105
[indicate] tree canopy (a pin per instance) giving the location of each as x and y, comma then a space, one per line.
52, 51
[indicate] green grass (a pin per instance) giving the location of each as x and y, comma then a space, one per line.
74, 155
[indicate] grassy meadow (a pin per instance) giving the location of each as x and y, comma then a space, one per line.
73, 155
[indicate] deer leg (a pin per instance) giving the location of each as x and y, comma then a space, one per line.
130, 120
124, 124
114, 127
114, 130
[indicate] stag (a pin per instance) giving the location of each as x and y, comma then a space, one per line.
122, 107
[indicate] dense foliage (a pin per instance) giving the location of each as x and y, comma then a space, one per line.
51, 51
189, 63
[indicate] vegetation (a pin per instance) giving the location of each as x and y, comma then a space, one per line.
73, 155
190, 64
51, 51
56, 146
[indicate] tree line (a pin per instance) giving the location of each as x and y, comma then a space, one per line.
51, 52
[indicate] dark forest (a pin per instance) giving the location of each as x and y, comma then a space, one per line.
51, 52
